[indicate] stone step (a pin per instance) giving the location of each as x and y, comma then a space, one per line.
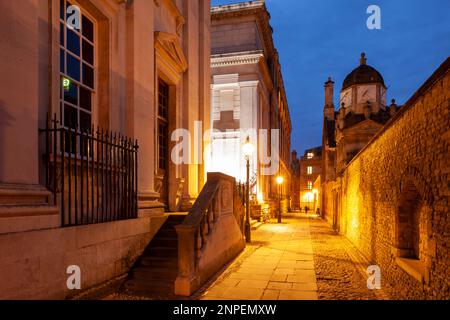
149, 286
256, 225
155, 273
159, 262
167, 242
161, 251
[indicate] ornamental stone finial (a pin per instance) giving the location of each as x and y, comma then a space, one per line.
363, 59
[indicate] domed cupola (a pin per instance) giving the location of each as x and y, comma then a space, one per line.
363, 90
363, 74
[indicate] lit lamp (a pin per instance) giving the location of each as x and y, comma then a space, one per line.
280, 180
247, 149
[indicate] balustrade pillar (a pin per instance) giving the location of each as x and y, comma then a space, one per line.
186, 260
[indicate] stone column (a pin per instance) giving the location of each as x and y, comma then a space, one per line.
141, 100
20, 191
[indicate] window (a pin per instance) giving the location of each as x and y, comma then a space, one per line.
309, 170
226, 100
163, 115
310, 155
310, 185
77, 57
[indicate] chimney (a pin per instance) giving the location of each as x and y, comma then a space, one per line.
329, 97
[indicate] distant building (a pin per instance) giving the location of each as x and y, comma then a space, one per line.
310, 169
295, 181
248, 95
361, 114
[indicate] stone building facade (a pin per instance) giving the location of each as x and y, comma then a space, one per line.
310, 169
295, 181
391, 199
249, 99
138, 68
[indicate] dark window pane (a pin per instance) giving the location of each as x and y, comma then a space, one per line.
71, 95
163, 99
61, 34
73, 67
85, 121
61, 9
162, 146
62, 60
68, 4
88, 29
88, 52
88, 76
85, 99
70, 117
73, 42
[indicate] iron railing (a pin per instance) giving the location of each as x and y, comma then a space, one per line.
92, 174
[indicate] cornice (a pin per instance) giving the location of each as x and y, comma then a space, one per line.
225, 61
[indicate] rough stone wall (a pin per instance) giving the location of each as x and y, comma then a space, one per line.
413, 148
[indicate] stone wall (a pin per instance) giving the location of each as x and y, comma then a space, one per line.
33, 264
397, 187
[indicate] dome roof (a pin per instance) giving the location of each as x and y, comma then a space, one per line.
363, 74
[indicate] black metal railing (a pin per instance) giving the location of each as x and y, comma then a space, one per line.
92, 174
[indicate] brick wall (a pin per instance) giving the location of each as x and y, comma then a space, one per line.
400, 178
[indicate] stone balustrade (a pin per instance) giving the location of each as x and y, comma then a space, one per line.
210, 235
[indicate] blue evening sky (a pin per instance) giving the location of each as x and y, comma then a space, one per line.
321, 38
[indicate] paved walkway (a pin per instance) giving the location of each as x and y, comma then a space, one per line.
279, 264
301, 259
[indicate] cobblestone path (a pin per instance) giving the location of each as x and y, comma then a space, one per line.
340, 270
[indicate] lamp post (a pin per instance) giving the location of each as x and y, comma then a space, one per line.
280, 180
248, 151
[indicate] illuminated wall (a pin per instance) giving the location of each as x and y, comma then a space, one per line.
365, 201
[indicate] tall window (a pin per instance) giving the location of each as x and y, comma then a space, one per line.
309, 170
77, 47
310, 185
163, 114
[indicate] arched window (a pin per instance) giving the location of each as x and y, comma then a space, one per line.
411, 228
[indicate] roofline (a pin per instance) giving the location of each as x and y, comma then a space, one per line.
240, 6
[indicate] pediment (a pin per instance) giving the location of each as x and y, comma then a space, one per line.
169, 47
365, 125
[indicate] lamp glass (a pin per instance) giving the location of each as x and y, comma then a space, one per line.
248, 149
280, 179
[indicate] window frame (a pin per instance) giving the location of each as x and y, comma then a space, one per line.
163, 120
63, 73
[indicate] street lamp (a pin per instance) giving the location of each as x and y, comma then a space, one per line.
280, 180
248, 151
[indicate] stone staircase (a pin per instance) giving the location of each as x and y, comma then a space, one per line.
154, 273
